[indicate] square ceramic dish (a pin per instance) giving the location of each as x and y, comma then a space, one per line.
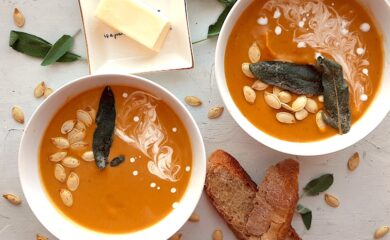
109, 52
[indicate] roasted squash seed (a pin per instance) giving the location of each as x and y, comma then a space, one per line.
215, 112
259, 85
272, 100
59, 173
41, 237
19, 19
66, 197
217, 234
60, 142
17, 114
311, 106
254, 53
88, 156
285, 97
381, 232
320, 121
332, 201
299, 103
39, 90
193, 101
301, 115
15, 200
249, 94
70, 162
68, 126
73, 181
353, 161
194, 217
285, 117
176, 236
84, 117
58, 156
247, 72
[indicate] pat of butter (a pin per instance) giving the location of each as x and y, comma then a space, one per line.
136, 20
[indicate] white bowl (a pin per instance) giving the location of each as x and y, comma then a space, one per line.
370, 120
34, 191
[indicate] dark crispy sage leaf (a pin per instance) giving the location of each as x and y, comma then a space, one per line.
306, 215
337, 113
296, 78
105, 125
117, 161
35, 46
58, 50
319, 185
215, 28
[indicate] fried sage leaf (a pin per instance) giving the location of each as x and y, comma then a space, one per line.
35, 46
337, 113
296, 78
117, 161
319, 185
105, 125
306, 215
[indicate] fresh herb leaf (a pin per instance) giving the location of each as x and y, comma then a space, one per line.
318, 185
58, 50
215, 28
35, 46
228, 3
306, 215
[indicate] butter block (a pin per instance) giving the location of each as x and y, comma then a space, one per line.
135, 19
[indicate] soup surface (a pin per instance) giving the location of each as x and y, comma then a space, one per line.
141, 190
299, 31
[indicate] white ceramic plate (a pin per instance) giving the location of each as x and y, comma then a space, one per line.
124, 55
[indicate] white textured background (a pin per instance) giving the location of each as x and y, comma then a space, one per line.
364, 194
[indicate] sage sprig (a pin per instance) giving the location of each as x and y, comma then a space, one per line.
306, 215
34, 46
58, 49
319, 185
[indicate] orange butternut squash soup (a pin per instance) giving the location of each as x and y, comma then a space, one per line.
304, 70
115, 160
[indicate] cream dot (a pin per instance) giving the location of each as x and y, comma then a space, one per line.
132, 159
174, 129
277, 13
188, 168
301, 45
153, 185
175, 205
262, 21
173, 190
278, 30
363, 97
360, 51
301, 24
135, 173
365, 71
158, 188
125, 95
365, 27
136, 119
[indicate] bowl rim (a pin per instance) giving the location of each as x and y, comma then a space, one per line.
194, 187
314, 148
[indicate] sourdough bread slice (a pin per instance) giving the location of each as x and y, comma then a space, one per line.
233, 193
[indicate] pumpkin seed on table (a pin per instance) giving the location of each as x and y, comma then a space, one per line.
272, 100
259, 85
215, 112
381, 232
299, 103
17, 114
78, 146
73, 181
19, 18
41, 237
60, 142
217, 234
284, 97
176, 236
254, 53
66, 197
353, 161
194, 217
70, 162
88, 156
68, 126
247, 72
311, 106
39, 90
13, 199
193, 101
249, 94
332, 200
58, 156
84, 117
48, 92
301, 115
320, 121
59, 173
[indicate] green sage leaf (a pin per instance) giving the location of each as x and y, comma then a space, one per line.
228, 3
34, 46
58, 50
319, 185
306, 215
215, 28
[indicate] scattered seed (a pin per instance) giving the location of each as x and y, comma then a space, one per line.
320, 121
66, 197
249, 94
284, 97
15, 200
287, 107
92, 112
272, 100
285, 117
79, 146
311, 106
301, 114
84, 117
176, 236
332, 200
73, 181
217, 234
47, 92
215, 112
299, 103
68, 126
60, 142
321, 98
193, 101
70, 162
59, 172
354, 161
259, 85
194, 217
88, 156
17, 114
254, 53
247, 72
276, 90
381, 232
76, 135
56, 157
80, 126
19, 19
39, 90
41, 237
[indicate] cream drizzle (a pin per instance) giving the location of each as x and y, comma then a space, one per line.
147, 134
327, 32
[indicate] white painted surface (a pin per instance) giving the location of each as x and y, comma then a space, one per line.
364, 194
